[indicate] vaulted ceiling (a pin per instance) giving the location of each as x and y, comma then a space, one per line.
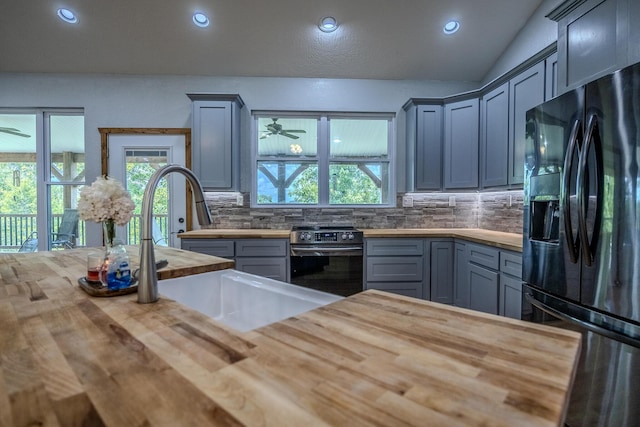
376, 39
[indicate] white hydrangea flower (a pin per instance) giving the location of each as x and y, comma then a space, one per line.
105, 199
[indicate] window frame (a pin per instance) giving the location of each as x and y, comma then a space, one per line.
323, 156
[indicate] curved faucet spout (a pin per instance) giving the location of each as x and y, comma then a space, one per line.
148, 277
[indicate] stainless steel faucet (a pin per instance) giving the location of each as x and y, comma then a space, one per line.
148, 284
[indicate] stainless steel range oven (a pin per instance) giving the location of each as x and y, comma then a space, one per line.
328, 259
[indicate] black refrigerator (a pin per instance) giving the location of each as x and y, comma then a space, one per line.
581, 242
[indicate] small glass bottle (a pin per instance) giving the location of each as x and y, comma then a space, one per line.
117, 272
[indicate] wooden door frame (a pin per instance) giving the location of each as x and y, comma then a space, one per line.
186, 132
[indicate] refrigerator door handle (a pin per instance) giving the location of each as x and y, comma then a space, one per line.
592, 137
573, 246
617, 336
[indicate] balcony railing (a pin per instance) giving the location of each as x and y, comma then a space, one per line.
16, 228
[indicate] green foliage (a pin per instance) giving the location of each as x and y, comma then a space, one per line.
21, 198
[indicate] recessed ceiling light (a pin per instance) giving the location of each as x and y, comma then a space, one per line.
200, 19
67, 16
328, 24
451, 27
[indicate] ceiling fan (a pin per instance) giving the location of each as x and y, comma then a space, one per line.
276, 129
14, 131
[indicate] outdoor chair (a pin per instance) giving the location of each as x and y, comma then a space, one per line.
30, 244
65, 237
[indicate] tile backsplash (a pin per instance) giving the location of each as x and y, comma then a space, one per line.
500, 211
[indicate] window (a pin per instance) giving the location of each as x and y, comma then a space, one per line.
323, 160
42, 170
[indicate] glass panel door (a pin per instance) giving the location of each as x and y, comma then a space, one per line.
18, 183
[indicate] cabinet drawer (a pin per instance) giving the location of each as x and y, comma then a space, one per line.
511, 264
261, 247
395, 247
217, 247
394, 269
485, 256
410, 289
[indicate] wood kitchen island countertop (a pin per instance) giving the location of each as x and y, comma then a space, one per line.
371, 359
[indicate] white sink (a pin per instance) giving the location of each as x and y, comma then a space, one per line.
241, 300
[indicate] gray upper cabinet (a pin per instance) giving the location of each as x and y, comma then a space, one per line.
216, 140
595, 37
429, 147
526, 91
551, 77
424, 145
494, 137
461, 144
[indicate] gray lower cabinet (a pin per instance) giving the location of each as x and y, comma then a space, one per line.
461, 144
510, 284
263, 257
395, 265
484, 278
216, 140
461, 292
442, 271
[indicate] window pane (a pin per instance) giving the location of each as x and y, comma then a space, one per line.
284, 137
66, 230
358, 183
67, 148
359, 138
140, 165
287, 182
17, 180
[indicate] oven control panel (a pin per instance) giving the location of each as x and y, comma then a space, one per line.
326, 237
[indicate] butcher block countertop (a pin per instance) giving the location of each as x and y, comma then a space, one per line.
371, 359
510, 241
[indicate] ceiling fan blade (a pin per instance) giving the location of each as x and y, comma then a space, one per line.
266, 135
288, 135
294, 130
14, 131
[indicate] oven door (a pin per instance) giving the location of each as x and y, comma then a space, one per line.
337, 270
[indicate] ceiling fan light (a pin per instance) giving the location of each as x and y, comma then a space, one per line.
200, 19
67, 15
328, 24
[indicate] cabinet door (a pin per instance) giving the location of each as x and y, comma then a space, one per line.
494, 138
272, 268
551, 77
442, 272
510, 297
216, 138
483, 289
461, 144
428, 147
461, 276
525, 92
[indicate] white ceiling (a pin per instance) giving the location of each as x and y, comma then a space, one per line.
377, 39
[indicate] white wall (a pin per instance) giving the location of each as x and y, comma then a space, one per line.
539, 33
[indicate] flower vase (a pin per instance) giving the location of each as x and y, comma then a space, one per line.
116, 273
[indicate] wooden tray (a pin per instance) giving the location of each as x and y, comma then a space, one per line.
97, 289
